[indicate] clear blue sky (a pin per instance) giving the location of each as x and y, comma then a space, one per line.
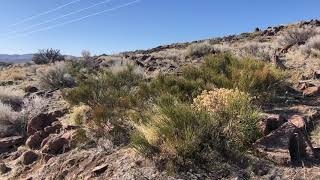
146, 24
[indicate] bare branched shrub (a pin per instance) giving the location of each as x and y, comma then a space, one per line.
35, 105
261, 51
45, 56
312, 47
11, 97
56, 76
199, 49
11, 121
295, 36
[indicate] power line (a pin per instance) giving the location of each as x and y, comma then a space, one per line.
57, 18
43, 13
78, 19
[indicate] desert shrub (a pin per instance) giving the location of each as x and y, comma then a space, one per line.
183, 88
261, 51
56, 76
12, 97
45, 56
186, 135
199, 49
15, 120
312, 47
235, 113
80, 114
295, 36
110, 95
175, 130
248, 75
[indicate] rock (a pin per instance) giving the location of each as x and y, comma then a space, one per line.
100, 169
311, 91
55, 145
29, 157
54, 128
41, 121
4, 168
316, 74
10, 142
272, 123
7, 131
298, 121
297, 147
34, 141
274, 146
31, 89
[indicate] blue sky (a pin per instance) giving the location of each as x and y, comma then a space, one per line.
142, 25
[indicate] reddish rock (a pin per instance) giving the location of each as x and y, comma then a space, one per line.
34, 141
311, 91
54, 128
55, 145
29, 157
298, 121
10, 142
272, 123
274, 146
40, 122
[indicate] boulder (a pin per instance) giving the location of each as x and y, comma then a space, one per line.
272, 123
29, 157
34, 141
311, 91
54, 145
54, 128
41, 121
274, 146
7, 131
298, 121
10, 142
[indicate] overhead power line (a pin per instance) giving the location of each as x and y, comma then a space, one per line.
57, 18
78, 19
43, 13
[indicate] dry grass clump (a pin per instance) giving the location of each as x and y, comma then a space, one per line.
236, 113
15, 121
216, 100
261, 51
199, 49
16, 74
56, 76
80, 114
312, 47
296, 36
7, 115
11, 97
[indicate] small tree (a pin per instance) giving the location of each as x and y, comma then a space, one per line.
45, 56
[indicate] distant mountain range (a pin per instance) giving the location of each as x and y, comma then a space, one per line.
13, 58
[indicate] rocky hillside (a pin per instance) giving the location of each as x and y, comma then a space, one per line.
53, 126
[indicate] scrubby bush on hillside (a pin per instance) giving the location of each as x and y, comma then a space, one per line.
223, 71
261, 51
56, 76
295, 36
199, 49
45, 56
312, 47
176, 131
12, 97
10, 119
185, 134
235, 112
